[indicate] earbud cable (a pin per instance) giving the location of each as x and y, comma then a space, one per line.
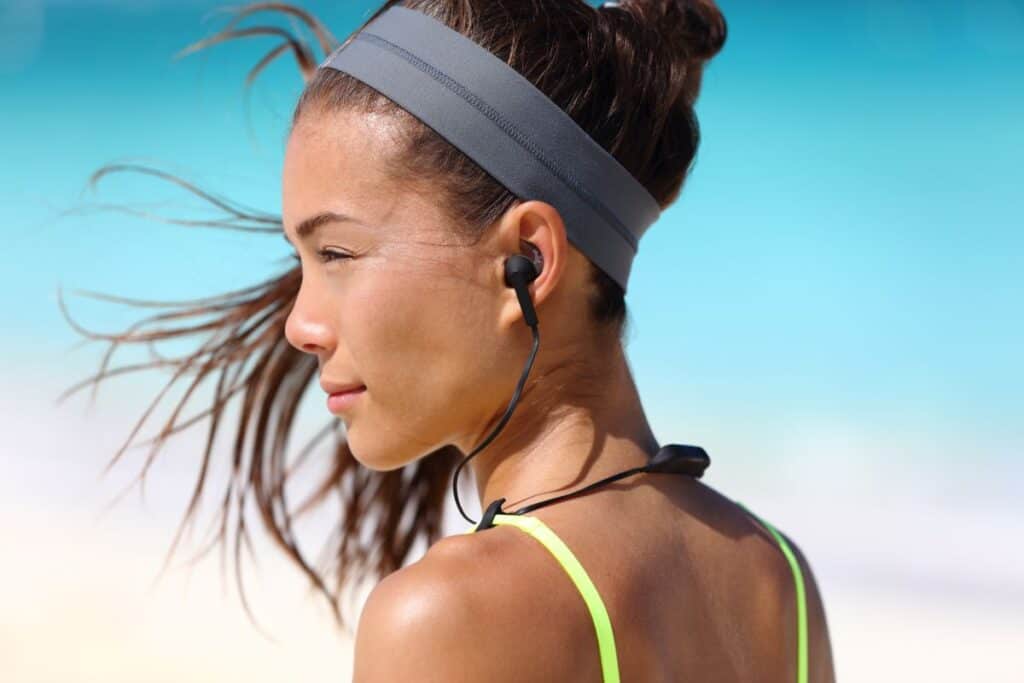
501, 423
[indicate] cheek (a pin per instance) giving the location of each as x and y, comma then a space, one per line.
423, 346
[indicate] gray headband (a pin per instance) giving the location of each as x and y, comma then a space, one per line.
505, 124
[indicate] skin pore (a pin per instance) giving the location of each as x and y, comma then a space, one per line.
428, 325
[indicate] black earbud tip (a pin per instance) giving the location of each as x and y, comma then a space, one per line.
519, 271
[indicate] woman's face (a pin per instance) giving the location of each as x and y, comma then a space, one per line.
391, 299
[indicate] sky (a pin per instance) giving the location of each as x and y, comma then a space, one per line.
833, 309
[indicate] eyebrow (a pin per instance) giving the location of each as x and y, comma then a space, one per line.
310, 225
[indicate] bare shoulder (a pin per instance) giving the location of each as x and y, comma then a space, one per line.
457, 615
758, 571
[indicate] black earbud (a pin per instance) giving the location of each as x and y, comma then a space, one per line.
519, 273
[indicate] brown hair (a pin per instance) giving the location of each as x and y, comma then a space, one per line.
628, 74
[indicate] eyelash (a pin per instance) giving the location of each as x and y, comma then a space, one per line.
326, 256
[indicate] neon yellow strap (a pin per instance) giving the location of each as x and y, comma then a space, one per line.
565, 557
801, 601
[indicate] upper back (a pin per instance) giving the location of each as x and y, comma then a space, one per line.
694, 587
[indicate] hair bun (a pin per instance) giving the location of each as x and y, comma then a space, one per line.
686, 32
703, 28
696, 26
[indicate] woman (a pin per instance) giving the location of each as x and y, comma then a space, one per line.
420, 258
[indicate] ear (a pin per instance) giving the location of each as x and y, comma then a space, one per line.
541, 225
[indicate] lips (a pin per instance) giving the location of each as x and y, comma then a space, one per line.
338, 403
338, 388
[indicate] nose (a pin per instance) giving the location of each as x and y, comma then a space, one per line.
306, 328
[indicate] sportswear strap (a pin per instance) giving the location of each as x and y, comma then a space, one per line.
602, 624
801, 601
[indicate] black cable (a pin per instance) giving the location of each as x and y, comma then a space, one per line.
501, 423
588, 487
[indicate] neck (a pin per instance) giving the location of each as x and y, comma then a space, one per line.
572, 426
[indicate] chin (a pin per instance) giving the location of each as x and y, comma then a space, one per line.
377, 456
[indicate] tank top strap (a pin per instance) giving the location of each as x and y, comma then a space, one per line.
801, 600
598, 614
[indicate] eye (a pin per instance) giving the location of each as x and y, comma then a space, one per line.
327, 255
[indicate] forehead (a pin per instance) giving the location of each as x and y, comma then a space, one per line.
337, 162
